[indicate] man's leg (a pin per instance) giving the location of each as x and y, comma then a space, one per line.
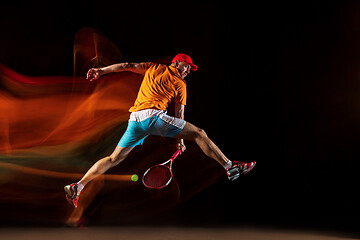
193, 133
99, 168
104, 164
233, 169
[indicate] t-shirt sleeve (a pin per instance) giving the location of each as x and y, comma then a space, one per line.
181, 96
147, 65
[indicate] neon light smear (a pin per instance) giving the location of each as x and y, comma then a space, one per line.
56, 110
62, 175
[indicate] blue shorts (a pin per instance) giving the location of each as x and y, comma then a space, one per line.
149, 122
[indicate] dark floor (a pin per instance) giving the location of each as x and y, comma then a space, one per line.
170, 233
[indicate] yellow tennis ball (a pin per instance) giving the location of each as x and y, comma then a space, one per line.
134, 177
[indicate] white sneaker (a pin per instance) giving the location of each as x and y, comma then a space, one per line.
239, 168
72, 194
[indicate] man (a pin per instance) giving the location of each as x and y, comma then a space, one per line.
161, 84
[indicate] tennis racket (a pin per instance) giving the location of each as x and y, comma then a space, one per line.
159, 176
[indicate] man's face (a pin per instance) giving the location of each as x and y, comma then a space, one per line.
183, 68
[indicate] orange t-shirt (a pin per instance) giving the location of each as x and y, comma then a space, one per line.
160, 85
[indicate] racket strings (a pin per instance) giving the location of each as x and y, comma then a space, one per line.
157, 177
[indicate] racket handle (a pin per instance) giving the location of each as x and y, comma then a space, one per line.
176, 154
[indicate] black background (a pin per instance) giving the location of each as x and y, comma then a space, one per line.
277, 83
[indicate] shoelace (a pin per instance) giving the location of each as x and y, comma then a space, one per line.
239, 165
234, 163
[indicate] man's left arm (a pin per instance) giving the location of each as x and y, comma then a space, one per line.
180, 113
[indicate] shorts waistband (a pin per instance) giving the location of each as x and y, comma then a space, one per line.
141, 115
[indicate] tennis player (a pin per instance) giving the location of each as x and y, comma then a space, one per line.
161, 84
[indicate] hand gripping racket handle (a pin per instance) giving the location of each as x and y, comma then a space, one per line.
176, 154
173, 157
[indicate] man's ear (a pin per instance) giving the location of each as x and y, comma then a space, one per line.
176, 63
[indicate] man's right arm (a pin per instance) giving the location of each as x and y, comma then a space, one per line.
95, 73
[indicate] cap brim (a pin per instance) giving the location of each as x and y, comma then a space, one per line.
194, 67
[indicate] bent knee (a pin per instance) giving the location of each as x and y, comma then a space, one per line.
114, 160
199, 133
119, 155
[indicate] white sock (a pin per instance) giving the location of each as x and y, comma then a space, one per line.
80, 186
228, 165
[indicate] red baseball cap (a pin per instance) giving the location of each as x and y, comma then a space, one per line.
186, 59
